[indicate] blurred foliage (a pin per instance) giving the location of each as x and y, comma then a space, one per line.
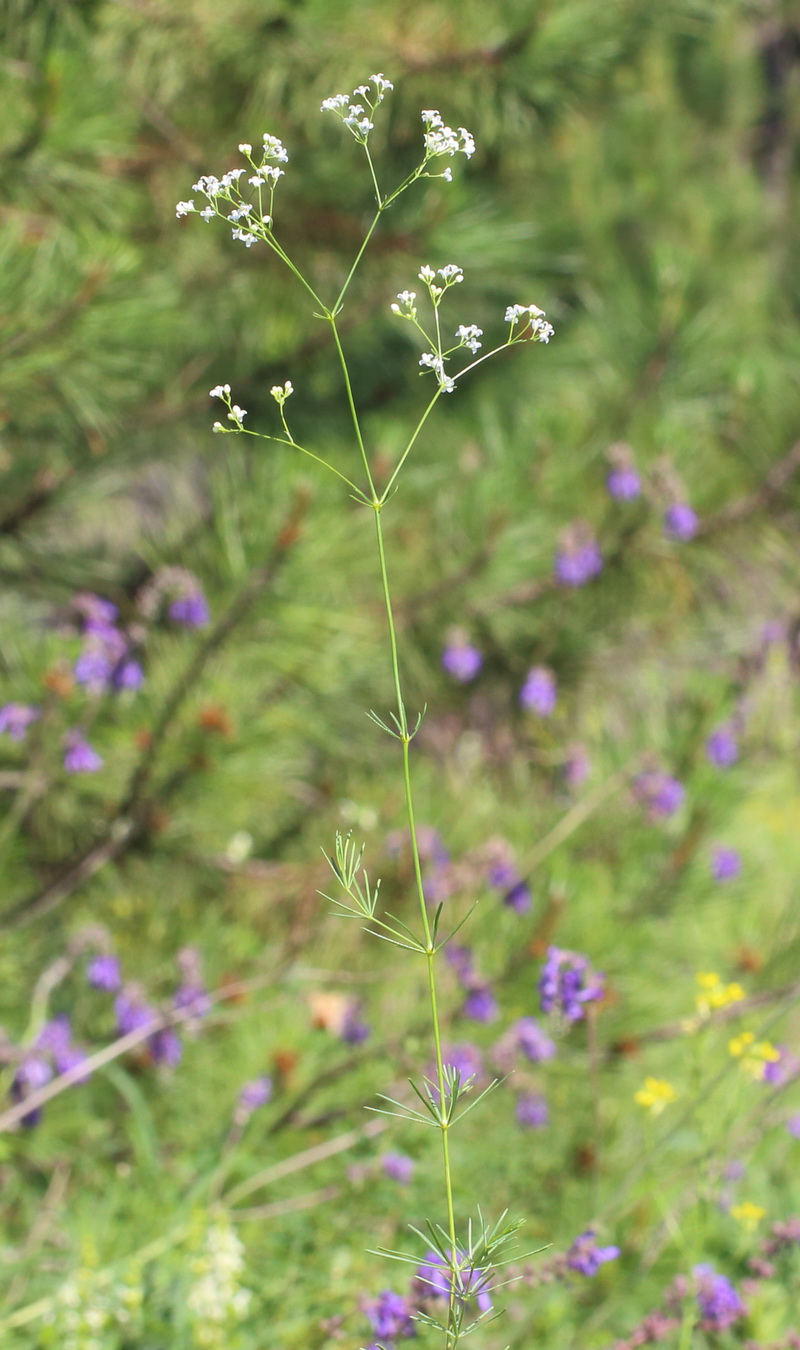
636, 176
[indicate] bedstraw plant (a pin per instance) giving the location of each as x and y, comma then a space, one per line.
457, 1264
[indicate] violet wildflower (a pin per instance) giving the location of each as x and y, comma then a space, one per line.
398, 1167
726, 864
660, 793
462, 661
534, 1043
720, 1305
190, 610
166, 1047
624, 483
33, 1073
128, 674
586, 1257
722, 747
567, 983
95, 611
103, 972
391, 1315
132, 1013
782, 1070
577, 767
55, 1039
79, 757
680, 522
194, 999
578, 559
104, 650
502, 874
480, 1004
253, 1095
460, 958
15, 718
538, 693
354, 1029
518, 897
532, 1111
793, 1125
434, 1279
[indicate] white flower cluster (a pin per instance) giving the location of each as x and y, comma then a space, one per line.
432, 361
356, 117
235, 413
85, 1309
536, 327
216, 1298
443, 140
225, 191
450, 275
280, 394
405, 306
468, 334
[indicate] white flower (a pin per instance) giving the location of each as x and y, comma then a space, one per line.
279, 394
237, 414
219, 391
245, 148
363, 90
208, 213
382, 84
431, 117
230, 178
431, 361
208, 185
468, 335
451, 274
244, 237
218, 427
443, 140
275, 149
334, 103
426, 273
183, 208
405, 306
271, 172
256, 182
540, 329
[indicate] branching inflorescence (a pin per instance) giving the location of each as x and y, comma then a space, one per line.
453, 1268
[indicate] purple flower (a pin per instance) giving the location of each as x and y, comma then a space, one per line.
793, 1125
398, 1167
720, 1305
193, 998
726, 864
781, 1071
534, 1043
79, 757
624, 483
518, 897
253, 1095
132, 1013
532, 1112
680, 521
538, 693
586, 1257
190, 610
128, 674
55, 1039
502, 874
166, 1047
480, 1004
434, 1279
31, 1074
567, 983
103, 972
354, 1029
577, 767
15, 718
722, 747
96, 612
462, 661
661, 794
103, 651
460, 958
390, 1315
578, 559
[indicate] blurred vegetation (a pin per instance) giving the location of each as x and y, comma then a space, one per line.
636, 176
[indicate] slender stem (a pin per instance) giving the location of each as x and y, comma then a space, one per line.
374, 180
279, 440
444, 1122
409, 447
352, 405
340, 297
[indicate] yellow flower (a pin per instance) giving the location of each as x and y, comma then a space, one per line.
748, 1215
655, 1095
714, 994
755, 1056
